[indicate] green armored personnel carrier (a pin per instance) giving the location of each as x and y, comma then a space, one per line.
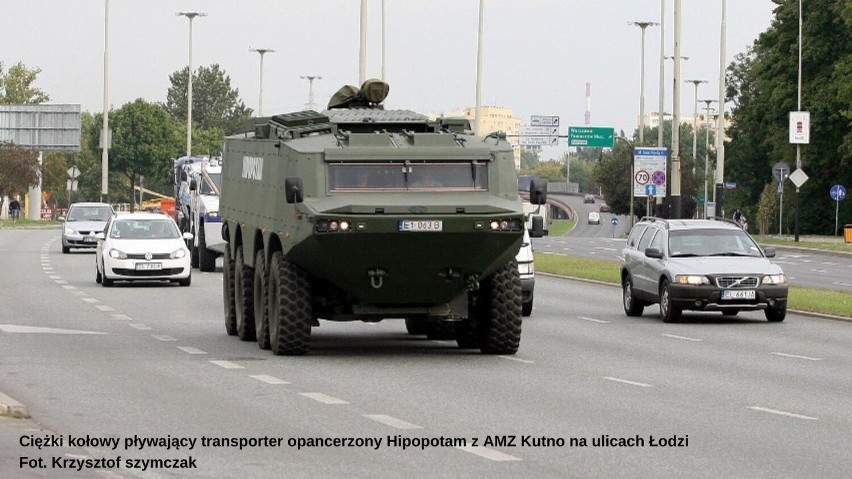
365, 214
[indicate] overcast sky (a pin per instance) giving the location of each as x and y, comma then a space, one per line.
538, 54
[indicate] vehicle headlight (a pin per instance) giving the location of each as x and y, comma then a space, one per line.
117, 254
526, 268
70, 231
691, 279
774, 279
178, 253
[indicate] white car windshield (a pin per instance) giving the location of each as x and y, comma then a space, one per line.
89, 213
711, 242
144, 229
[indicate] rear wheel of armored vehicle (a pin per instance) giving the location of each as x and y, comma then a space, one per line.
501, 329
415, 327
206, 258
243, 296
228, 293
261, 316
290, 307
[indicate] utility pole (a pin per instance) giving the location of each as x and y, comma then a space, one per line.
262, 52
720, 121
662, 73
676, 174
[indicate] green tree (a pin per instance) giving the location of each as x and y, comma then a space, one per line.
767, 208
18, 169
16, 86
215, 104
529, 157
547, 170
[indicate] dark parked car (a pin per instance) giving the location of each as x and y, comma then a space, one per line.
705, 265
604, 208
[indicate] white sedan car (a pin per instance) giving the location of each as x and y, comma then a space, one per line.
142, 246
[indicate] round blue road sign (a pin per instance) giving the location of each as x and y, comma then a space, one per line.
614, 221
838, 192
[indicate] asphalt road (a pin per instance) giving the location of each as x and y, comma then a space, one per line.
742, 397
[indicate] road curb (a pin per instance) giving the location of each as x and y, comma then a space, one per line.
11, 408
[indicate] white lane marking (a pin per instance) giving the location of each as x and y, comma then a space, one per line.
104, 307
525, 361
122, 317
68, 286
796, 356
392, 421
226, 364
829, 263
323, 398
841, 283
47, 268
61, 281
269, 379
674, 336
489, 454
191, 350
601, 321
783, 413
605, 249
90, 300
139, 326
81, 293
632, 383
163, 337
53, 276
14, 328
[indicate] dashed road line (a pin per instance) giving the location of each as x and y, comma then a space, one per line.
68, 286
392, 421
140, 326
489, 454
53, 276
324, 398
226, 364
104, 307
122, 317
191, 350
796, 356
783, 413
90, 300
268, 379
684, 338
163, 337
593, 320
625, 381
525, 361
61, 281
81, 293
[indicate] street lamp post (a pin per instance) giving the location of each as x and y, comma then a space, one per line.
720, 121
632, 167
262, 52
695, 123
676, 174
643, 26
479, 67
311, 79
662, 73
105, 126
706, 148
191, 16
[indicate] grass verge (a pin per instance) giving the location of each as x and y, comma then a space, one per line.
822, 245
560, 227
22, 223
825, 301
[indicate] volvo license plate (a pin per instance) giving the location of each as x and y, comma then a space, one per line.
421, 225
738, 294
149, 266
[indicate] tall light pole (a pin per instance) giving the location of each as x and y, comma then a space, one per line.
676, 174
311, 79
262, 52
643, 26
362, 50
384, 78
706, 148
479, 67
191, 16
662, 72
695, 123
720, 121
799, 108
105, 127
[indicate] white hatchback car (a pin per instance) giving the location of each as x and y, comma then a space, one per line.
142, 246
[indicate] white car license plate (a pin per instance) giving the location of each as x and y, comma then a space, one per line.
421, 225
149, 266
738, 294
89, 239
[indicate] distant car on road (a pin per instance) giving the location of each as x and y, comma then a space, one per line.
589, 199
82, 222
704, 265
604, 208
142, 246
594, 218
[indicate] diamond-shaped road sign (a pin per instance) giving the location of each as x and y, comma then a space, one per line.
798, 177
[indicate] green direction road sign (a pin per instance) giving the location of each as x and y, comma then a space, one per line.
591, 136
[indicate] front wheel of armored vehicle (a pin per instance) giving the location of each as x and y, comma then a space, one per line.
244, 296
261, 316
501, 331
228, 293
290, 307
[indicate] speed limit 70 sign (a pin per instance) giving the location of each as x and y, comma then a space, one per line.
642, 177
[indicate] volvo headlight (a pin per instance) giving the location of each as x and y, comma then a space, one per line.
774, 279
117, 254
692, 279
178, 253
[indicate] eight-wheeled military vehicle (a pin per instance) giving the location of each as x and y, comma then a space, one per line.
361, 213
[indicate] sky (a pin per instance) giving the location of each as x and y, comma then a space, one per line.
538, 55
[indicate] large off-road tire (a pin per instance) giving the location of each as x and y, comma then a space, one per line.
632, 306
440, 330
244, 296
290, 307
776, 314
501, 329
261, 316
668, 310
228, 293
206, 258
416, 327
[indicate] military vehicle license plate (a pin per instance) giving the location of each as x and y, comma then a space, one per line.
738, 294
421, 225
149, 266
